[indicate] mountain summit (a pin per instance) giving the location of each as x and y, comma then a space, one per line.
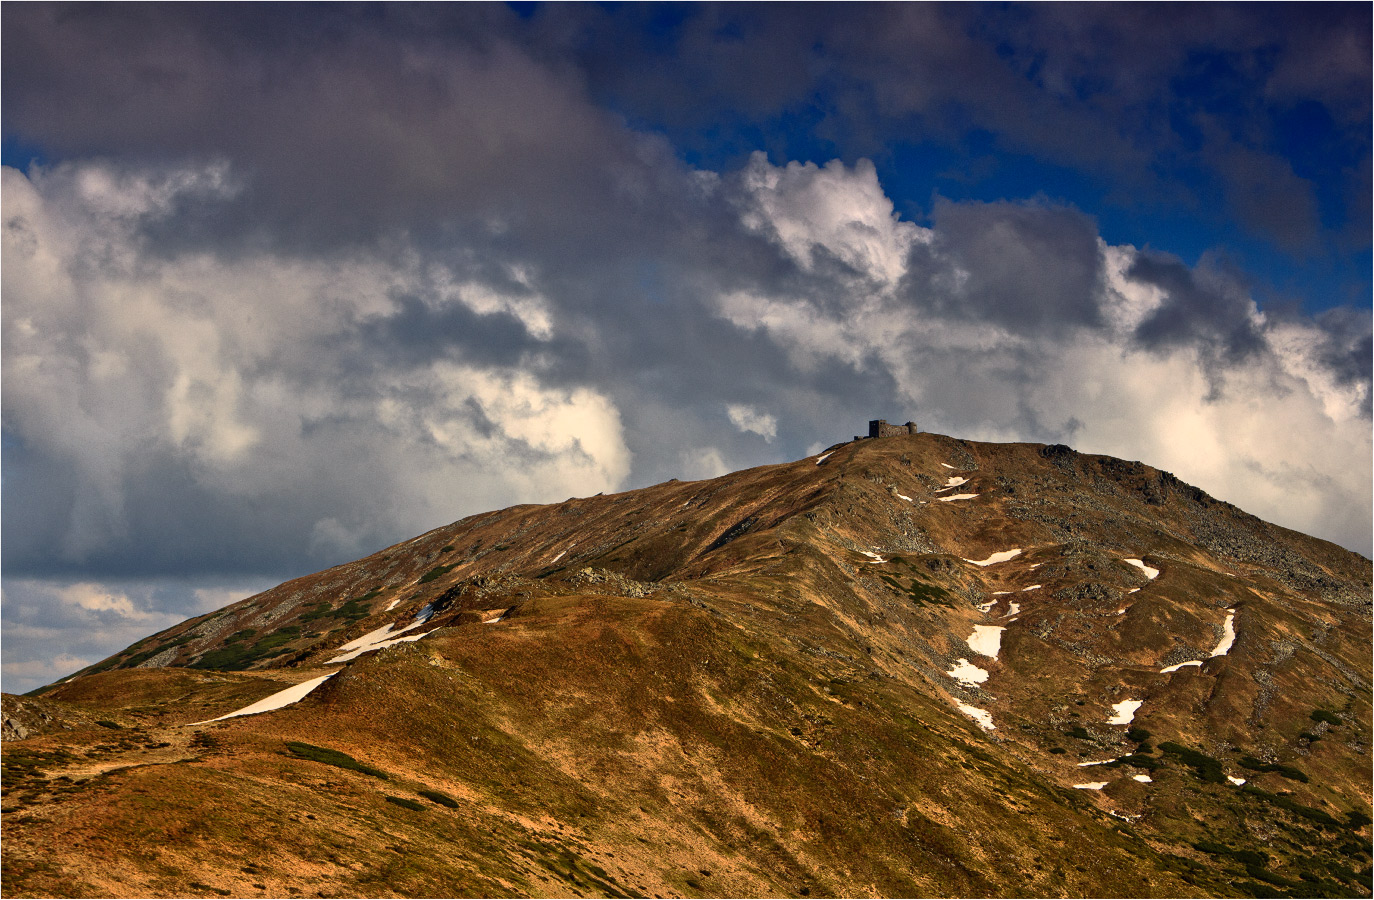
910, 666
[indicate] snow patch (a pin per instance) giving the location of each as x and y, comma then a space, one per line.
1228, 635
904, 497
947, 465
275, 701
984, 607
1132, 590
1034, 587
956, 497
986, 640
1013, 608
981, 716
1091, 786
392, 605
1000, 593
560, 555
1000, 556
1124, 712
381, 637
1167, 669
1143, 779
348, 657
823, 457
1234, 780
1150, 572
1096, 762
967, 673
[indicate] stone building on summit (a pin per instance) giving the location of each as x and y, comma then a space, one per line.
879, 428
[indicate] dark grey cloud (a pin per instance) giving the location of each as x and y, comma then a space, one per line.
1211, 313
1122, 90
1030, 268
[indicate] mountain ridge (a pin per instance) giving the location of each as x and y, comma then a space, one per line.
1014, 615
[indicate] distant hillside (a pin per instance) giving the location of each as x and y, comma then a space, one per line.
911, 666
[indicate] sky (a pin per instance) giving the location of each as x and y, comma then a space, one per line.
286, 284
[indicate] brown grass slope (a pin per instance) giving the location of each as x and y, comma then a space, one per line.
739, 687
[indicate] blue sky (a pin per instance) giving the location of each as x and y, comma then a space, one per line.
284, 284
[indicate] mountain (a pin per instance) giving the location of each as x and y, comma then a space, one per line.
910, 666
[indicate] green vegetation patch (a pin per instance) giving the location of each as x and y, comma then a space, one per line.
235, 654
1204, 766
332, 758
920, 593
1244, 857
1307, 812
1078, 731
406, 802
439, 798
1322, 715
30, 763
1139, 760
437, 572
1255, 765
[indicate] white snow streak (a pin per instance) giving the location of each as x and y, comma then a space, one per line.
1150, 572
956, 497
1228, 635
966, 672
823, 457
375, 640
1013, 608
558, 557
1096, 762
1091, 786
277, 700
1034, 587
1234, 780
346, 657
1167, 669
1000, 556
947, 465
1143, 779
986, 640
904, 497
981, 716
1124, 712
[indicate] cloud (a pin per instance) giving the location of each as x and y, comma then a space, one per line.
54, 627
746, 418
144, 388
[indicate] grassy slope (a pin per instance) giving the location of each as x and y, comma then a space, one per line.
771, 719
